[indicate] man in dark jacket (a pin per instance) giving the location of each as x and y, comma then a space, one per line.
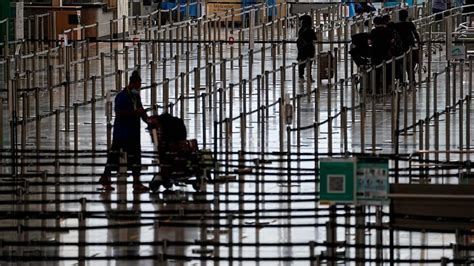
381, 40
126, 136
305, 45
407, 31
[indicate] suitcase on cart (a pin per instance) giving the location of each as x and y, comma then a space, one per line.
179, 159
323, 65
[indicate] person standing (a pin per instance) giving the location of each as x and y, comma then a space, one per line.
407, 31
305, 45
408, 35
126, 134
381, 40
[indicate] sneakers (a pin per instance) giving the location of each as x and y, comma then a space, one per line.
140, 188
106, 184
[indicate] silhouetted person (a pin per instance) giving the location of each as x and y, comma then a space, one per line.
305, 45
407, 31
386, 19
396, 50
126, 136
408, 35
380, 39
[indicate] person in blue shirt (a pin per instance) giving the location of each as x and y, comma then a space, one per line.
126, 134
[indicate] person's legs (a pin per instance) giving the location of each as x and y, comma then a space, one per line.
301, 67
112, 162
309, 74
134, 163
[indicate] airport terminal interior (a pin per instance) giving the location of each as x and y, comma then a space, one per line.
352, 163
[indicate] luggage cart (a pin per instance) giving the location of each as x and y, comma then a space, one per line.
180, 160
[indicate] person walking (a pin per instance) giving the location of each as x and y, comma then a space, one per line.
381, 40
305, 45
408, 35
126, 134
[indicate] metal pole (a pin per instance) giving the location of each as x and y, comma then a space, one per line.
102, 74
76, 128
379, 236
165, 96
82, 231
93, 118
183, 100
153, 87
360, 235
50, 87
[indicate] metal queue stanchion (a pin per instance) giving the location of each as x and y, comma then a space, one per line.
362, 110
448, 131
182, 95
23, 132
454, 85
468, 108
436, 138
1, 125
461, 129
76, 127
93, 116
108, 112
176, 74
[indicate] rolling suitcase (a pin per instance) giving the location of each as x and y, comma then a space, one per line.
323, 65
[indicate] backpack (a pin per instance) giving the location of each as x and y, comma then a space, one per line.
301, 44
397, 45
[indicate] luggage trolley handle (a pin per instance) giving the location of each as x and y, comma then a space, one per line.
154, 137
